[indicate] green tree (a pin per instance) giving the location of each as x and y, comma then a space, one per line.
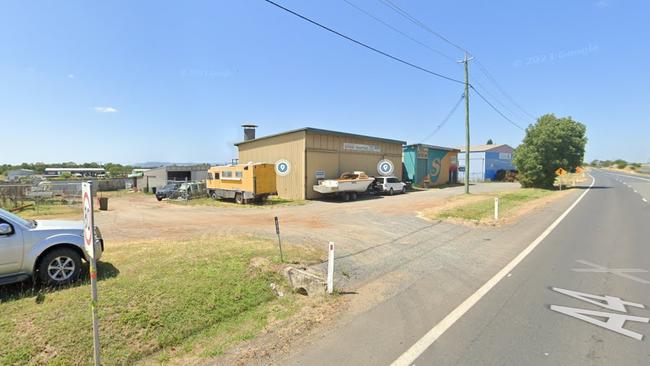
620, 163
549, 144
490, 142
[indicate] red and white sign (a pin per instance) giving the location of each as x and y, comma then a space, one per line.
89, 219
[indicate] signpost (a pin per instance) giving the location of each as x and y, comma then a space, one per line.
89, 245
560, 172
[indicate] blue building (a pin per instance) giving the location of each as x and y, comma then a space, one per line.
485, 161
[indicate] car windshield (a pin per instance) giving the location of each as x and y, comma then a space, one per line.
170, 186
18, 219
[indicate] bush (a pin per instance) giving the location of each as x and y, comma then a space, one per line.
501, 175
551, 143
511, 176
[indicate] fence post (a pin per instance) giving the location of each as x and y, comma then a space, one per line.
277, 232
496, 208
330, 269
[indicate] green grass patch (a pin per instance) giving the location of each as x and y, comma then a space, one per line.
481, 207
157, 300
273, 201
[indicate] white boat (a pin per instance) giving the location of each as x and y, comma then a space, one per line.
348, 182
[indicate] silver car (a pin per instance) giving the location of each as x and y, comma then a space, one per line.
48, 250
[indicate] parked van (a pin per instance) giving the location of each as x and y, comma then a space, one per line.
242, 182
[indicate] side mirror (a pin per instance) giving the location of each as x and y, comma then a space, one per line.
6, 229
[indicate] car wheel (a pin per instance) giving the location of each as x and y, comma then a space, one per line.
215, 196
404, 190
159, 198
391, 192
353, 196
60, 267
238, 198
345, 197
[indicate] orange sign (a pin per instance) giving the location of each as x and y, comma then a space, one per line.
560, 171
579, 169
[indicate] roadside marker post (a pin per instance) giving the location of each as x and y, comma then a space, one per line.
277, 232
496, 208
89, 245
330, 268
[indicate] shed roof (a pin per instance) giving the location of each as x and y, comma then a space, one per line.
325, 132
434, 147
483, 148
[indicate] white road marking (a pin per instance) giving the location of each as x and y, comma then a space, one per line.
622, 272
417, 349
628, 176
615, 322
644, 200
607, 302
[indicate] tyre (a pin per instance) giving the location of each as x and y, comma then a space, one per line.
214, 195
238, 198
345, 197
391, 192
353, 196
60, 267
404, 190
159, 198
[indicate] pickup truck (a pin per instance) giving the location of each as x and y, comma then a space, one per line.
47, 250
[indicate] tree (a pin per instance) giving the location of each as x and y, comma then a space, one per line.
549, 144
490, 142
620, 163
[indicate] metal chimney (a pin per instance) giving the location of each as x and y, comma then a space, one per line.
249, 132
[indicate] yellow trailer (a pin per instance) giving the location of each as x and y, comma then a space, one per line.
242, 182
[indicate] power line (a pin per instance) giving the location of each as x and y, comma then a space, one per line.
399, 31
494, 81
487, 91
496, 109
482, 67
414, 20
363, 44
451, 113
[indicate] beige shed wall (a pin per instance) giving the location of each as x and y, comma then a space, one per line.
290, 147
325, 153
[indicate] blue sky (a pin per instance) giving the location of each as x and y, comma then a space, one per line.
127, 81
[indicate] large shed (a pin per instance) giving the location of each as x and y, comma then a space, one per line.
159, 177
485, 161
305, 155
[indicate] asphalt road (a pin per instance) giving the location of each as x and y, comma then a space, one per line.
601, 248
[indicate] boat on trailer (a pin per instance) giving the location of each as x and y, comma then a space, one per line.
347, 186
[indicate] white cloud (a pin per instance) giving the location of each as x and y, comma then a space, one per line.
105, 109
71, 76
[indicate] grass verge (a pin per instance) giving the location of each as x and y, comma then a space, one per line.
158, 300
481, 207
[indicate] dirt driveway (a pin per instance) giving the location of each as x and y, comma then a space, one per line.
366, 232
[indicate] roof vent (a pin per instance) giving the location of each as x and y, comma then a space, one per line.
249, 132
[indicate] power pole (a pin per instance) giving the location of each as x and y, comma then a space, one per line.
466, 61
